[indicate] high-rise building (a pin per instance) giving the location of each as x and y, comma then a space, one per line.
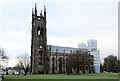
92, 44
82, 45
92, 49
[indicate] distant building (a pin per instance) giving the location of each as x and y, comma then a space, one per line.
12, 70
82, 45
92, 48
92, 45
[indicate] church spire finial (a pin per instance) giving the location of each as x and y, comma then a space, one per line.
35, 6
44, 8
45, 11
35, 9
32, 11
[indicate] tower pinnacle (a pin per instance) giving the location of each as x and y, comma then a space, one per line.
35, 6
44, 8
35, 9
45, 11
32, 11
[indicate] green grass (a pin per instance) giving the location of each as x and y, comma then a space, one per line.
63, 76
0, 75
101, 74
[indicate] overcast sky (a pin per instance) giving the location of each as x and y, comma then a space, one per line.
68, 23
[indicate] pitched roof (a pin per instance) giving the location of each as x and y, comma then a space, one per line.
61, 49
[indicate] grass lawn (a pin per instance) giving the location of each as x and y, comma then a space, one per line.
63, 76
0, 76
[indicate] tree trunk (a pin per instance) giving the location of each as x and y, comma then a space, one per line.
77, 72
25, 73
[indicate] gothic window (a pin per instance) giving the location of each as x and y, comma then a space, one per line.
53, 65
60, 65
40, 62
53, 60
40, 55
38, 31
40, 58
38, 18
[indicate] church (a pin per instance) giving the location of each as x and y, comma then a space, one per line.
49, 58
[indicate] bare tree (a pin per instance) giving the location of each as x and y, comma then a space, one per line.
3, 59
78, 61
18, 67
24, 62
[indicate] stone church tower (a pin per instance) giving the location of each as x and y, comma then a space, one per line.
39, 55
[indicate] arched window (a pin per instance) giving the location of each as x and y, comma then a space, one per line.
40, 58
53, 60
38, 31
53, 65
60, 65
